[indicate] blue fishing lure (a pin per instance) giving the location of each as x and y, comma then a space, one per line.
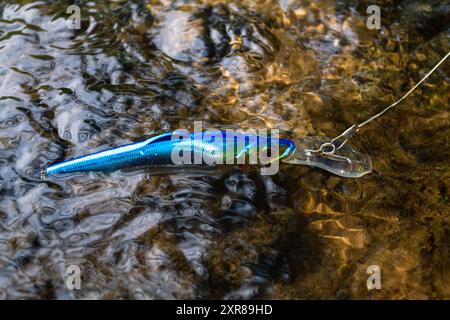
162, 149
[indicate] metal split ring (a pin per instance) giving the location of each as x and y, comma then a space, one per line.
327, 145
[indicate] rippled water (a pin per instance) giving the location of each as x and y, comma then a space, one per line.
138, 68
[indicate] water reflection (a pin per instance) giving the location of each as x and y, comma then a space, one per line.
138, 68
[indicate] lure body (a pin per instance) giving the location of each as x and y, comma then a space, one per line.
223, 149
160, 151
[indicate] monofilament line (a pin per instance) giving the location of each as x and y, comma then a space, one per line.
406, 94
332, 146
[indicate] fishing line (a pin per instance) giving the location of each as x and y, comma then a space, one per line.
329, 148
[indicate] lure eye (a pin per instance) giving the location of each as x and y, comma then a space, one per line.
317, 152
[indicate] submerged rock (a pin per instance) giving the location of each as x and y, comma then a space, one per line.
429, 18
180, 37
209, 33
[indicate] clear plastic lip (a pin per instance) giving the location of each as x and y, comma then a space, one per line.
345, 162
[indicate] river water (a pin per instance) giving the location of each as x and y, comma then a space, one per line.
139, 68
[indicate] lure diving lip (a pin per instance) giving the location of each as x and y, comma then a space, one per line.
159, 150
346, 162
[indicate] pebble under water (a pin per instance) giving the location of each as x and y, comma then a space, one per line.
140, 68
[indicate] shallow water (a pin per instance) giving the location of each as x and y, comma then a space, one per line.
138, 68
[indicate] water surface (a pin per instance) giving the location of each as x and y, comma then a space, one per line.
138, 68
